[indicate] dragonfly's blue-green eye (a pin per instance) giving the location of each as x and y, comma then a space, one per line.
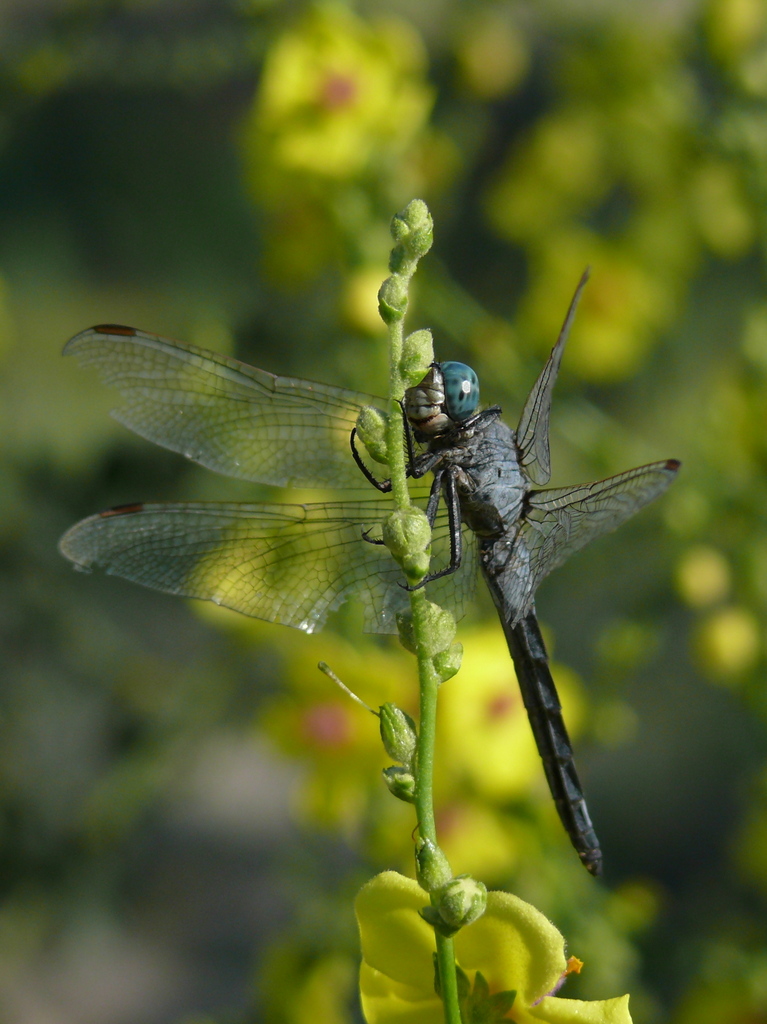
461, 390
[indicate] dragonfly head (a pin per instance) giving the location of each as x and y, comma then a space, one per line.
448, 395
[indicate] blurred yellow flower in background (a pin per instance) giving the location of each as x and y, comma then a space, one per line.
622, 309
734, 26
480, 839
336, 94
483, 724
724, 217
549, 177
492, 53
703, 576
335, 738
337, 137
729, 642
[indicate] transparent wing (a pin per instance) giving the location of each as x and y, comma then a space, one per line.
290, 564
224, 414
456, 590
533, 429
561, 520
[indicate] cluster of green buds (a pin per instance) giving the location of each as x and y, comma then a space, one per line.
406, 532
413, 232
400, 739
407, 535
372, 424
371, 430
437, 639
455, 900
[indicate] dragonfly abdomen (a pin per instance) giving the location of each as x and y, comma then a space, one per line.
539, 695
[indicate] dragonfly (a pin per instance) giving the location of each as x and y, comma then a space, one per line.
294, 564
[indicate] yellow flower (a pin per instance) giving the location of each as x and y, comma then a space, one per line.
556, 173
729, 642
721, 210
513, 945
703, 576
337, 93
491, 54
337, 740
483, 722
625, 304
734, 27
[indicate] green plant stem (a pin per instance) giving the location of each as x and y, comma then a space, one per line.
448, 979
396, 450
427, 728
424, 799
428, 678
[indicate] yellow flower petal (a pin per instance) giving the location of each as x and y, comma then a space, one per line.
574, 1011
383, 1000
515, 947
395, 940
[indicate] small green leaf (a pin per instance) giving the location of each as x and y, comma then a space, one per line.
400, 783
417, 356
448, 662
371, 430
431, 867
392, 299
398, 733
431, 916
481, 991
501, 1003
480, 1007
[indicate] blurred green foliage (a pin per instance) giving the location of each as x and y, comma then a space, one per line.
185, 800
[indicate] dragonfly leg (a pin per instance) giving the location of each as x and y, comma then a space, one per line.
372, 540
418, 465
454, 524
382, 485
434, 496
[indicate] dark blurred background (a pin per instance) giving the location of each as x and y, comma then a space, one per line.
187, 808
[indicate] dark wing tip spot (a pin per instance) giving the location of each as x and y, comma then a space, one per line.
123, 510
127, 332
673, 464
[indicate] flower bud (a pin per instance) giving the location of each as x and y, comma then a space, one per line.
371, 430
415, 566
448, 662
413, 229
431, 916
400, 783
405, 630
407, 535
398, 733
440, 629
461, 901
417, 356
392, 299
431, 866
